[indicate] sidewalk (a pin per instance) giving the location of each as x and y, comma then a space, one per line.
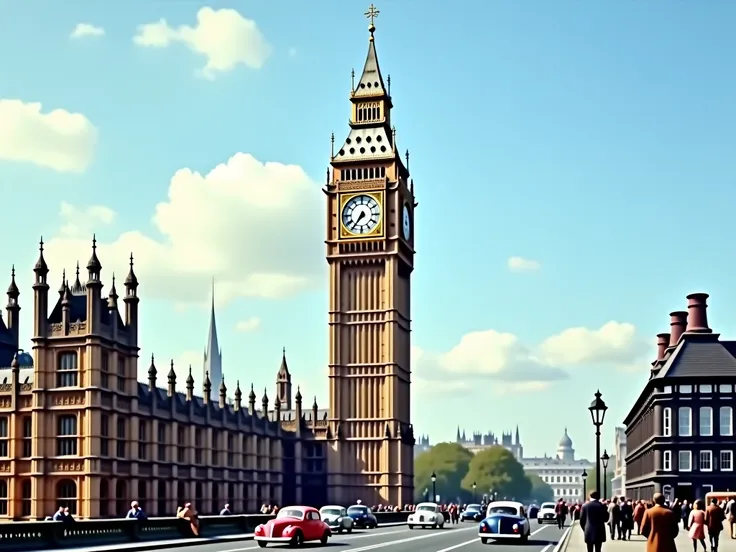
575, 542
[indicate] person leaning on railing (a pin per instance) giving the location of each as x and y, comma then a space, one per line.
190, 514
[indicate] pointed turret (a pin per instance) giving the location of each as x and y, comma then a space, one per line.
207, 387
131, 303
251, 400
371, 81
315, 412
13, 309
518, 439
458, 438
13, 291
93, 265
41, 269
62, 287
277, 410
223, 393
171, 379
283, 383
238, 396
212, 353
40, 296
190, 384
152, 375
264, 403
112, 297
77, 287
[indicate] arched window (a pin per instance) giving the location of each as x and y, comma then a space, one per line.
162, 498
121, 496
66, 495
26, 493
104, 498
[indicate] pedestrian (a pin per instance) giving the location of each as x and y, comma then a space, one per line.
731, 514
136, 512
626, 522
660, 526
714, 518
639, 510
226, 511
614, 518
696, 525
593, 518
685, 513
560, 513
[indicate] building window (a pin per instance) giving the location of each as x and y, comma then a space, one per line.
4, 438
667, 422
197, 446
105, 435
667, 460
121, 374
705, 389
706, 460
725, 421
104, 498
27, 447
105, 370
684, 421
3, 497
142, 440
686, 389
726, 460
706, 421
120, 452
230, 450
66, 495
685, 460
66, 436
181, 445
161, 442
725, 388
67, 374
215, 447
26, 497
668, 389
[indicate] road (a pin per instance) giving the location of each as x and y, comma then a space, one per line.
460, 538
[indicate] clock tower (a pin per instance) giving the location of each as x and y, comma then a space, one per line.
370, 252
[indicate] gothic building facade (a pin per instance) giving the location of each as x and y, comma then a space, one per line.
77, 428
479, 441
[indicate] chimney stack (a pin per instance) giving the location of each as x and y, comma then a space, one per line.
678, 323
697, 318
663, 341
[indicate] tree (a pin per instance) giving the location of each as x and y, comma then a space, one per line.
540, 491
449, 462
496, 468
609, 475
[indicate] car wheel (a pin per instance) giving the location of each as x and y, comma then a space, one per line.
339, 529
483, 540
350, 529
324, 538
411, 527
262, 544
297, 540
540, 522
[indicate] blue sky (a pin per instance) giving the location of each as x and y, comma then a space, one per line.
595, 141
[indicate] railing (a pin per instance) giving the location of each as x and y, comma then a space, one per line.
43, 535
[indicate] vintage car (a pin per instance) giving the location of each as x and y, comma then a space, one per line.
472, 512
426, 514
362, 517
337, 518
546, 513
293, 525
505, 519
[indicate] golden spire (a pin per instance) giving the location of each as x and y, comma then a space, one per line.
371, 14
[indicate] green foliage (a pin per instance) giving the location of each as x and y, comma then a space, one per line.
540, 491
449, 462
609, 476
496, 468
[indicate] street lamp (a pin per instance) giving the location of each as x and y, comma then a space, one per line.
474, 486
605, 458
598, 413
585, 484
434, 486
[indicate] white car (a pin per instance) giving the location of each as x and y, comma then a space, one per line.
337, 518
427, 514
505, 519
547, 513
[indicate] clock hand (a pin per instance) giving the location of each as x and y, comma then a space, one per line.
360, 217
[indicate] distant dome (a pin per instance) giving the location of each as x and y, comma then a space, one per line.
25, 359
565, 442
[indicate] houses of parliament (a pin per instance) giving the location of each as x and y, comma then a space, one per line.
78, 428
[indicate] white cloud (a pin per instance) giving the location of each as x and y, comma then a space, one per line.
512, 367
86, 29
249, 324
58, 140
256, 227
224, 37
82, 222
520, 264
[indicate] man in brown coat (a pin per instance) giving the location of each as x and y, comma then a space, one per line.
660, 526
714, 518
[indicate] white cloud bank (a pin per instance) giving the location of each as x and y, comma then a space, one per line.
83, 30
249, 324
257, 228
520, 264
511, 366
224, 37
58, 140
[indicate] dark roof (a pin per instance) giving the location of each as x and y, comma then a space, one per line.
78, 309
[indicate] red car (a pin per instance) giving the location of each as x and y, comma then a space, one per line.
293, 525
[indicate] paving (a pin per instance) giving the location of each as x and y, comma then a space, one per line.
462, 537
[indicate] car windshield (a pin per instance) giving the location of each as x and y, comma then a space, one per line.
426, 508
509, 510
358, 510
475, 507
548, 505
290, 513
331, 511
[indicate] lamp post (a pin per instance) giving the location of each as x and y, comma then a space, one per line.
584, 475
605, 458
474, 486
434, 486
597, 410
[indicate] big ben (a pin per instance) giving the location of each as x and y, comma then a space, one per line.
370, 252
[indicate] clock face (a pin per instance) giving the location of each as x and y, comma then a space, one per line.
406, 222
361, 214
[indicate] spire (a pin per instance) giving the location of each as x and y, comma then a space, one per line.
518, 439
284, 369
223, 393
207, 386
212, 353
112, 298
371, 81
93, 265
252, 394
77, 287
238, 395
458, 438
13, 291
62, 288
41, 268
66, 299
131, 281
152, 375
172, 372
298, 396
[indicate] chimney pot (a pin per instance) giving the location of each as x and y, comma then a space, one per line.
678, 323
697, 318
663, 341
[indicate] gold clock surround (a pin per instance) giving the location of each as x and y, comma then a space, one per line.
377, 232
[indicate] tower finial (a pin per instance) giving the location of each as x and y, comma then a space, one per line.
371, 14
352, 80
332, 146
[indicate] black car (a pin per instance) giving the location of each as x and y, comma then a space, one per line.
362, 517
473, 512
